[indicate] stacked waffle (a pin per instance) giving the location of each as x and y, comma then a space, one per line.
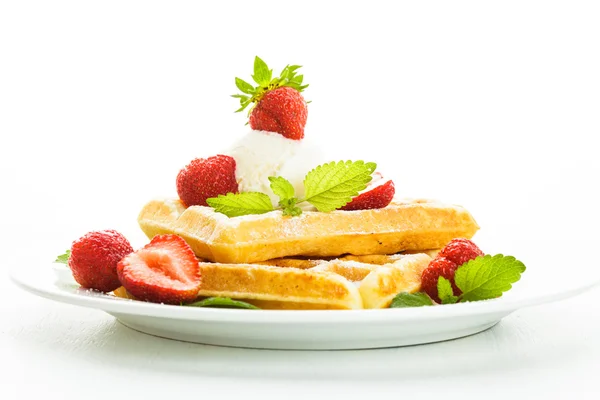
337, 260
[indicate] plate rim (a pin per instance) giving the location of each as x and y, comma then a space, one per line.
140, 308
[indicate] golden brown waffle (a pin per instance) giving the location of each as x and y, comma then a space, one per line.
414, 225
359, 282
271, 287
378, 283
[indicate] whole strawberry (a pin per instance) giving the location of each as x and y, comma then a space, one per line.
439, 266
460, 251
94, 258
278, 105
204, 178
453, 255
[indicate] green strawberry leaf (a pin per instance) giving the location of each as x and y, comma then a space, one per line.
244, 86
298, 79
238, 204
487, 277
405, 300
63, 258
282, 187
263, 76
223, 302
445, 292
262, 73
244, 103
243, 99
292, 71
331, 186
284, 73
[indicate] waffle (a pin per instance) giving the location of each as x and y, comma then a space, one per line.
412, 225
346, 283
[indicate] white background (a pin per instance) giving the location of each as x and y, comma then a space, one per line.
492, 105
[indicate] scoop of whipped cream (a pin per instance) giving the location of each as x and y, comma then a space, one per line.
260, 154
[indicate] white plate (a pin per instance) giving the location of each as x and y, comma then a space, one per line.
307, 330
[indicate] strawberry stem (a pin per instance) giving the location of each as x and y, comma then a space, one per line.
263, 77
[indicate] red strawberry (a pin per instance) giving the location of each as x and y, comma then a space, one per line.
439, 266
282, 110
453, 255
204, 178
379, 197
460, 251
278, 105
94, 259
164, 271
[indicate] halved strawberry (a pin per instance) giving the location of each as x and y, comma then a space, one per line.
378, 197
164, 271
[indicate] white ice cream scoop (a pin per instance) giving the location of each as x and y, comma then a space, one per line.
261, 154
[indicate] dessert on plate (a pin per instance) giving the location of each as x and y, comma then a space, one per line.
272, 224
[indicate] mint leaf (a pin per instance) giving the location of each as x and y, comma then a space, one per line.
244, 86
63, 258
333, 185
487, 277
404, 300
282, 187
238, 204
445, 292
223, 302
262, 74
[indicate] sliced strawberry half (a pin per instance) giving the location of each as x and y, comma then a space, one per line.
378, 195
164, 271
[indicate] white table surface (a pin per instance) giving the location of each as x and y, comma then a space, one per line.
550, 351
491, 105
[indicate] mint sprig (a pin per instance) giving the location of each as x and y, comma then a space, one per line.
223, 302
287, 195
405, 300
263, 77
327, 187
63, 258
483, 278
